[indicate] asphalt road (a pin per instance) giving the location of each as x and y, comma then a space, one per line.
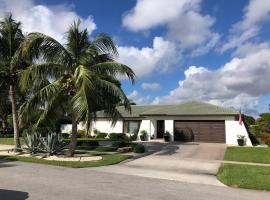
19, 181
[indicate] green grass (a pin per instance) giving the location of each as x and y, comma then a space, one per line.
9, 141
106, 160
245, 176
98, 149
248, 154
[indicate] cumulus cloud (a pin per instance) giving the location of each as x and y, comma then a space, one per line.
138, 98
255, 13
239, 83
51, 20
150, 86
183, 20
144, 61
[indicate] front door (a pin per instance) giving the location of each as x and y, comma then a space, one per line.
160, 128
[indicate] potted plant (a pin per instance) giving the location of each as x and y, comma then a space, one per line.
167, 136
241, 140
143, 135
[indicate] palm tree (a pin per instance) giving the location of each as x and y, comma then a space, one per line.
83, 78
11, 37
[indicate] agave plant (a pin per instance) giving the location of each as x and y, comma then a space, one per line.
52, 144
32, 141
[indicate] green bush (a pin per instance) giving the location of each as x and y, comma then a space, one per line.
65, 135
265, 137
143, 135
85, 142
81, 133
32, 142
101, 135
52, 144
4, 135
118, 136
138, 148
120, 144
134, 137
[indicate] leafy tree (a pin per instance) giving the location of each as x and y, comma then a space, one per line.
262, 124
83, 76
249, 120
11, 38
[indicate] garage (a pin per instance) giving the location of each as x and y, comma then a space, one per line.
199, 131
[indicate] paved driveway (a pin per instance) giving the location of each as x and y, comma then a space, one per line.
185, 162
19, 181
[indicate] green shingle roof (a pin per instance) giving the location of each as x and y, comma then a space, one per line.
184, 109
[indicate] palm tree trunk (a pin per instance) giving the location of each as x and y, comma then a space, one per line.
73, 139
4, 123
12, 94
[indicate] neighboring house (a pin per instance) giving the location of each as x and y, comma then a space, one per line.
191, 121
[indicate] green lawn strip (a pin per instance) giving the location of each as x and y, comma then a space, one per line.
248, 154
9, 141
106, 160
98, 149
245, 176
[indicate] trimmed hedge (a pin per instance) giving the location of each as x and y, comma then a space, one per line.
101, 135
118, 136
120, 144
92, 143
138, 148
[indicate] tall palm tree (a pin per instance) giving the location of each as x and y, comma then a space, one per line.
83, 77
11, 37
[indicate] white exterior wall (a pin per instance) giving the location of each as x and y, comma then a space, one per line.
149, 126
66, 128
233, 128
102, 125
169, 126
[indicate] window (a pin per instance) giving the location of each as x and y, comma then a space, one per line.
132, 126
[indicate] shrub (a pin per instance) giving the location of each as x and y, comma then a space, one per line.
143, 135
65, 135
86, 142
134, 137
6, 134
81, 133
52, 144
118, 136
101, 135
32, 142
265, 137
120, 144
138, 148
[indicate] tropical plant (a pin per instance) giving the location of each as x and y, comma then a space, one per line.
32, 141
83, 76
143, 135
11, 38
52, 144
5, 108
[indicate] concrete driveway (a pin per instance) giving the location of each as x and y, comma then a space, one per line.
185, 162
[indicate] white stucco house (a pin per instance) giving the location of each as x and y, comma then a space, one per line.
191, 121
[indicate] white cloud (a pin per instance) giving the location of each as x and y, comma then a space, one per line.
239, 83
138, 98
255, 13
51, 20
150, 13
183, 20
150, 86
144, 61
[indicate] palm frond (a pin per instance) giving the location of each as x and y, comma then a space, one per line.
105, 44
113, 69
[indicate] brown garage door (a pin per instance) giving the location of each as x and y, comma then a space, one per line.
199, 131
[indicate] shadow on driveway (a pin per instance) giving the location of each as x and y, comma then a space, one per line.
13, 195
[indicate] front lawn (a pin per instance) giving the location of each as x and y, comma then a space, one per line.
9, 141
245, 176
106, 160
248, 154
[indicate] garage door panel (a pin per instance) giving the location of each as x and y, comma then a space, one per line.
203, 131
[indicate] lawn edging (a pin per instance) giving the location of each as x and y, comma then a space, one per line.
244, 176
109, 159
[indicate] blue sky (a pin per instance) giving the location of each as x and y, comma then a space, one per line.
216, 51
